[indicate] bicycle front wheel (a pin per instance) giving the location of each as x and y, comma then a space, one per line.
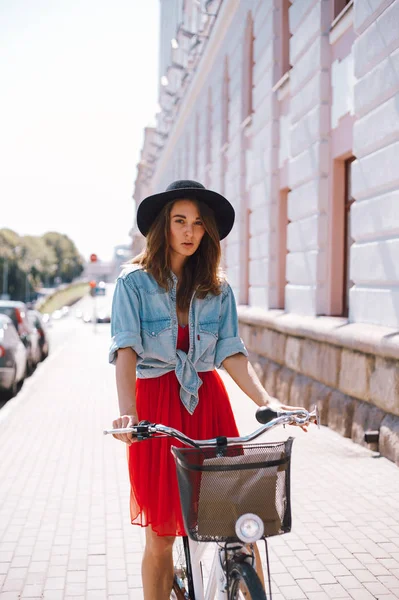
182, 582
244, 582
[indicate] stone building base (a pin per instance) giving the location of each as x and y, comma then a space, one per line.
351, 371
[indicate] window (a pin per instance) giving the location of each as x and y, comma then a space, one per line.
339, 6
248, 67
285, 38
348, 201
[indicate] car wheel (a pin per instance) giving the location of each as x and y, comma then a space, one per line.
30, 367
8, 393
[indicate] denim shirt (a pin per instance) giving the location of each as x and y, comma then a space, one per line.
144, 318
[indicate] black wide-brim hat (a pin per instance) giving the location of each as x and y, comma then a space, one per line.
151, 206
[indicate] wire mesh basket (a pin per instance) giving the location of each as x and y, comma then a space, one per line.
217, 485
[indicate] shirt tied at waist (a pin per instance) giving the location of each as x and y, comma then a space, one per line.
189, 381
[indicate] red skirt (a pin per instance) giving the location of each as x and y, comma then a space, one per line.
154, 497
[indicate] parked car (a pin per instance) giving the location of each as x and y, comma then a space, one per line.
13, 359
18, 313
101, 317
104, 317
38, 322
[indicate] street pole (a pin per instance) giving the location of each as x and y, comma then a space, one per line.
93, 285
94, 311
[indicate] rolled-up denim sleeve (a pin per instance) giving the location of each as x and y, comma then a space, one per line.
229, 342
125, 320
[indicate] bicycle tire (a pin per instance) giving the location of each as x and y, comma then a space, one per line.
243, 574
181, 584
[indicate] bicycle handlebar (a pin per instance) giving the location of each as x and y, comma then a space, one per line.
265, 415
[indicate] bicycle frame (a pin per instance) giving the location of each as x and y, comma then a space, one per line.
216, 586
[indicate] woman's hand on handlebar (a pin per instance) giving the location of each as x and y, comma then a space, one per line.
122, 422
277, 406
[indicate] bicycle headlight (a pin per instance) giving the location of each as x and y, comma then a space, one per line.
249, 528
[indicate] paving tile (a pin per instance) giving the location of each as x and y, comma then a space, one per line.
376, 588
363, 575
283, 579
350, 582
338, 570
53, 595
362, 594
55, 583
75, 589
13, 585
116, 575
292, 592
298, 573
323, 577
335, 590
309, 585
96, 595
76, 577
32, 591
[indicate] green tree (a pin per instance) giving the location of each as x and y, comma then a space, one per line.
12, 276
70, 263
28, 262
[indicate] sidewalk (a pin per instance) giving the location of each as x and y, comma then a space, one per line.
64, 496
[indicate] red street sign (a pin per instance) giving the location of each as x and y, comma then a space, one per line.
93, 257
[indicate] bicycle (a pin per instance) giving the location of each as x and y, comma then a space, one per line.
233, 494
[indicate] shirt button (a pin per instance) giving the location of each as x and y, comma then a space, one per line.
153, 333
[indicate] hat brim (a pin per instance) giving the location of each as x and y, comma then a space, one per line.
151, 206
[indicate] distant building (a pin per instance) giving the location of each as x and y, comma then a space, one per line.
108, 271
98, 271
282, 109
122, 254
289, 108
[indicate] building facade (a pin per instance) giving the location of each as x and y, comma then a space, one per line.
290, 109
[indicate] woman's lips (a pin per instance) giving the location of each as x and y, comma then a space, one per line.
188, 244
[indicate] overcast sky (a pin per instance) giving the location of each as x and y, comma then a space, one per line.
78, 85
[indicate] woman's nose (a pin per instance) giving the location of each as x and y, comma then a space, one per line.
189, 230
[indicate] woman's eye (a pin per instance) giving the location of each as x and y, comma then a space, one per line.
199, 223
179, 221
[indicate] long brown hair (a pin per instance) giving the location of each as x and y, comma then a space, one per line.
201, 271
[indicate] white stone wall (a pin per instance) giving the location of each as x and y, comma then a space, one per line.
375, 214
260, 171
309, 161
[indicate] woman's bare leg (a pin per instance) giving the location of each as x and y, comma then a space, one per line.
157, 566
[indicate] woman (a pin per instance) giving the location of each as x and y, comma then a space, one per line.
174, 320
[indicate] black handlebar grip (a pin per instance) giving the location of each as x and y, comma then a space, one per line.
264, 414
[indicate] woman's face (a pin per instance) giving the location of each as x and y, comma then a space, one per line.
186, 228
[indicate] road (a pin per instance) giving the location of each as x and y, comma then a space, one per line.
61, 330
64, 494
